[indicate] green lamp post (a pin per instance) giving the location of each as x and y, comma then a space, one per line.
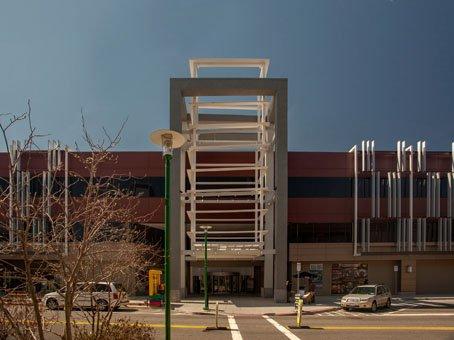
169, 140
205, 276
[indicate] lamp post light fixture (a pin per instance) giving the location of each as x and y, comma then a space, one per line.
205, 276
169, 140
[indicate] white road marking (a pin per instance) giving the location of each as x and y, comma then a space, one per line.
234, 330
281, 328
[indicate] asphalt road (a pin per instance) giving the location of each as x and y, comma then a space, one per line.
402, 324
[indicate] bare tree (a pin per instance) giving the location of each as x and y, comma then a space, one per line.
68, 238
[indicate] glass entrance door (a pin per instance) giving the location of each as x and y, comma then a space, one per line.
224, 283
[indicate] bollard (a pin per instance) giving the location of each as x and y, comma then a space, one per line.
216, 321
217, 314
299, 312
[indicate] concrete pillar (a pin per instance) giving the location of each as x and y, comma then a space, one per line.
268, 269
281, 173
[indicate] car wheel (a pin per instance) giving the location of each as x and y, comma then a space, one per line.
388, 303
52, 304
102, 305
374, 307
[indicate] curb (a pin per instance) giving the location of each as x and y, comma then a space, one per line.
327, 310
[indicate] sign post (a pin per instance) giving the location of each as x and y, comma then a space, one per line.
396, 269
298, 270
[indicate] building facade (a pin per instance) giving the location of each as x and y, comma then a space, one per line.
415, 258
345, 217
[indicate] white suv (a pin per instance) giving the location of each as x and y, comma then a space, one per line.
367, 296
102, 295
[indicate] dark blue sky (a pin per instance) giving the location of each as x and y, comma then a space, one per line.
356, 69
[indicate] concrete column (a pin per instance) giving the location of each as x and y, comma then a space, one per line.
268, 269
281, 175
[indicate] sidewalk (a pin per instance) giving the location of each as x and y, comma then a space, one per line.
252, 306
243, 306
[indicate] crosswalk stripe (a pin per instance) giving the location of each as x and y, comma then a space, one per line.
281, 328
234, 330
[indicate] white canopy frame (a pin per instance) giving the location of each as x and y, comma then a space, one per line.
229, 131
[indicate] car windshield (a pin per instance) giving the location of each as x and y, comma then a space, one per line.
363, 290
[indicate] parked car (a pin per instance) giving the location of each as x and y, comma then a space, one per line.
103, 295
368, 297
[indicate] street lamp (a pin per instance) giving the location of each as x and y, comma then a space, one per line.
169, 140
205, 277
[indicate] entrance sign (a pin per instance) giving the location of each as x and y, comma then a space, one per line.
298, 266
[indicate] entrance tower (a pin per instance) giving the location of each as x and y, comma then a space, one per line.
231, 175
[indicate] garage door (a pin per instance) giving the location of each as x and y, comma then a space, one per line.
435, 277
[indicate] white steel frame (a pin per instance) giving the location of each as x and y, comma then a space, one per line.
234, 235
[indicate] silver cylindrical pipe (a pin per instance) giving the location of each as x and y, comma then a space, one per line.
418, 234
424, 233
452, 157
440, 234
363, 156
419, 156
66, 200
433, 200
424, 158
378, 194
399, 195
428, 194
450, 248
390, 193
410, 234
363, 234
449, 194
438, 195
403, 158
58, 155
373, 196
54, 155
355, 200
394, 212
44, 207
373, 155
